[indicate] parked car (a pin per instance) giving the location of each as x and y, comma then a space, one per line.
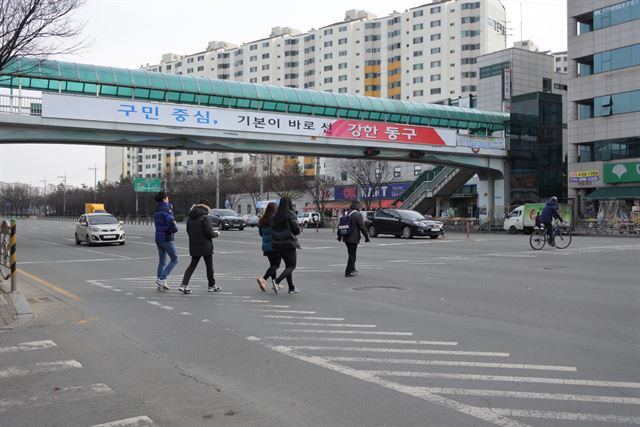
308, 219
404, 223
367, 217
226, 219
99, 228
250, 220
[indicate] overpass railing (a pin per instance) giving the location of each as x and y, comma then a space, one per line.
23, 105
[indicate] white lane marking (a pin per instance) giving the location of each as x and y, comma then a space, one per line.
530, 395
333, 325
332, 331
455, 363
66, 394
399, 260
40, 367
280, 306
206, 320
306, 248
252, 338
273, 316
366, 340
30, 345
567, 416
485, 414
106, 253
260, 301
130, 294
186, 313
157, 304
402, 350
141, 298
500, 378
141, 421
287, 311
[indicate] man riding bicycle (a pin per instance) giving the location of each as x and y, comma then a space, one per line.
550, 212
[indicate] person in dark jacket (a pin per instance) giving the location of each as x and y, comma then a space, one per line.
284, 229
166, 227
201, 233
264, 228
549, 212
356, 225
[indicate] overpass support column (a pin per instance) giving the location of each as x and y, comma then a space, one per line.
437, 207
491, 197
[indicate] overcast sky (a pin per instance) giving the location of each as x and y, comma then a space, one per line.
130, 33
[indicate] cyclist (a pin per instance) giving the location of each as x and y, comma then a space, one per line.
549, 212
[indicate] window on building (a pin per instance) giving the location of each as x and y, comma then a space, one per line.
436, 36
417, 170
397, 172
435, 64
417, 27
418, 13
434, 24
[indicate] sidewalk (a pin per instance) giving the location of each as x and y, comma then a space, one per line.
14, 309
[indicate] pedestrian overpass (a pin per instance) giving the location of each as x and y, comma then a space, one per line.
97, 105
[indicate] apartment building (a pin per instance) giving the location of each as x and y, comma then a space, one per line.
426, 53
604, 106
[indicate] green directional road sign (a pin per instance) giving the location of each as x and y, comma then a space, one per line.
147, 185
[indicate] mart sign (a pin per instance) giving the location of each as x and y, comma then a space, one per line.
621, 172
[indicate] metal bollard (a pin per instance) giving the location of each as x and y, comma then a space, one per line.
12, 259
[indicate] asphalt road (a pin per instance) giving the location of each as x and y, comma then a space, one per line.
449, 332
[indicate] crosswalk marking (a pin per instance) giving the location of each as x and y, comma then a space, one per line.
27, 346
563, 381
326, 331
40, 367
66, 394
142, 421
332, 325
273, 316
567, 416
530, 395
454, 363
286, 311
363, 340
402, 350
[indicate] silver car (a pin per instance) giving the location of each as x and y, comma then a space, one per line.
99, 228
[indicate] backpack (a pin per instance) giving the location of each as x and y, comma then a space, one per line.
344, 226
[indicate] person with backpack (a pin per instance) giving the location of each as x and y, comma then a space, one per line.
264, 228
201, 233
284, 229
166, 227
350, 227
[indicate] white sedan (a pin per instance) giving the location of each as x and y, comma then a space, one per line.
99, 228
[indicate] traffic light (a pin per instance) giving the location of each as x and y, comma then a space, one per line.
416, 154
370, 152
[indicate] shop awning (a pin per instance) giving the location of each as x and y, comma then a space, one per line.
615, 193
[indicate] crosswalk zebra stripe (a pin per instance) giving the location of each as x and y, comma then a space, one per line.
364, 340
274, 316
331, 325
27, 346
142, 421
286, 311
567, 416
563, 381
531, 395
455, 363
401, 350
37, 368
346, 332
66, 394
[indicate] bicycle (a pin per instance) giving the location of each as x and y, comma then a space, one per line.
538, 239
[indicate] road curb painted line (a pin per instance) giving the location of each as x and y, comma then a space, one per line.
455, 363
142, 421
27, 346
485, 414
400, 350
365, 340
66, 394
49, 285
38, 368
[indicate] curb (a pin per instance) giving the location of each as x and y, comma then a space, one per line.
16, 308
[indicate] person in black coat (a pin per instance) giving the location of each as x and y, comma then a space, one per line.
284, 229
356, 227
201, 233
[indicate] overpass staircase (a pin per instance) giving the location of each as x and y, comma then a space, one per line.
442, 181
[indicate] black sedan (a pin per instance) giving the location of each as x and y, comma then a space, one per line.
225, 219
404, 223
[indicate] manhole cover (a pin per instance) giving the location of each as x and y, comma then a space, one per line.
378, 288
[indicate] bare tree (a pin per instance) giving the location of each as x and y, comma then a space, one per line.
249, 183
368, 175
320, 191
38, 28
289, 182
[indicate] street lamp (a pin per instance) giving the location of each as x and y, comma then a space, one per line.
64, 194
95, 181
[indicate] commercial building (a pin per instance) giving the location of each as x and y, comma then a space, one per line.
604, 106
426, 53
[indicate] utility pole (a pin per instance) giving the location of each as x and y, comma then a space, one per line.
45, 195
64, 194
217, 180
95, 181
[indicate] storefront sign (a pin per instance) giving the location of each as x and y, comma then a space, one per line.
391, 190
621, 172
584, 176
477, 142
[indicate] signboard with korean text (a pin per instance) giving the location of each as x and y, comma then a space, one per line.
193, 116
147, 185
391, 190
621, 172
584, 176
477, 142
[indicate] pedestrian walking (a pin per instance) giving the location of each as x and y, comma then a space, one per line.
349, 230
166, 227
264, 228
284, 229
201, 235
